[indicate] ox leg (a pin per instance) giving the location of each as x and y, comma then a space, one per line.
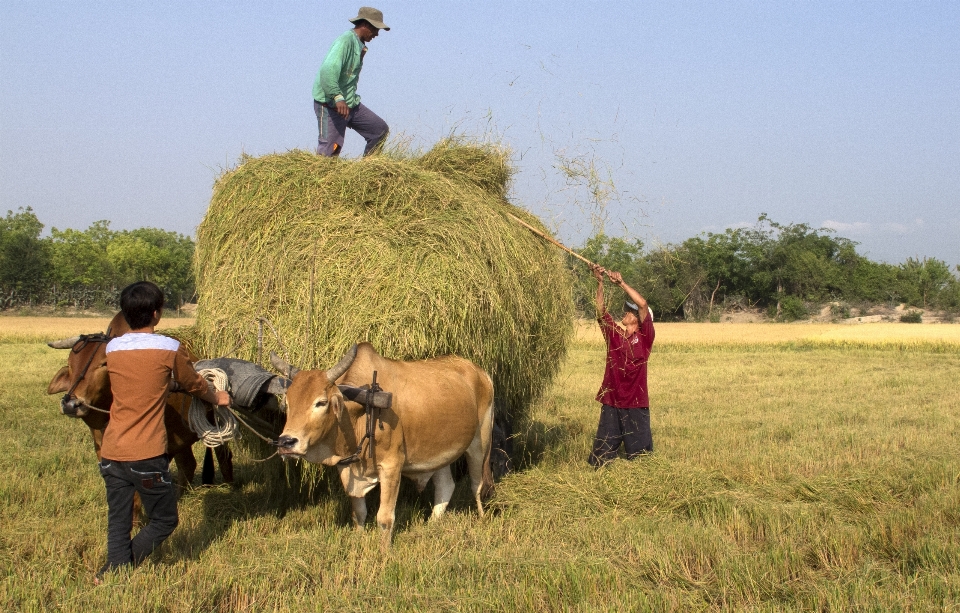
186, 467
443, 485
208, 471
387, 514
355, 489
359, 506
138, 513
478, 460
225, 460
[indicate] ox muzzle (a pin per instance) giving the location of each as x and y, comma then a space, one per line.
71, 406
285, 443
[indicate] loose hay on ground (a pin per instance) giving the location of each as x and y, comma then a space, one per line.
412, 253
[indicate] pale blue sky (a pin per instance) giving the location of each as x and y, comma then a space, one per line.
702, 114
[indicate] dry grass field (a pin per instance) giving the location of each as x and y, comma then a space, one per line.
765, 333
797, 467
16, 329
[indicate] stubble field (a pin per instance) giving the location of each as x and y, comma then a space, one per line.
797, 467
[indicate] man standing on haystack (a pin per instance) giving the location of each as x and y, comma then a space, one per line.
625, 414
335, 99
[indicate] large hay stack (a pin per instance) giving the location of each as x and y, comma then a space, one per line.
414, 254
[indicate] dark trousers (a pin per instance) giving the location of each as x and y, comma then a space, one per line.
333, 127
151, 479
630, 427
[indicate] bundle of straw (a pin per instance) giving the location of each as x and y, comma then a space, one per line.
415, 254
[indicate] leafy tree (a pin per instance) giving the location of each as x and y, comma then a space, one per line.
921, 282
781, 266
80, 257
809, 264
98, 262
24, 257
150, 254
873, 282
729, 261
612, 253
676, 288
949, 297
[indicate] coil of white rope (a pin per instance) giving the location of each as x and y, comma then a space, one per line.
225, 427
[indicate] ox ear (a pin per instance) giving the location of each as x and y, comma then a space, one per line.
60, 382
64, 343
285, 368
338, 401
341, 367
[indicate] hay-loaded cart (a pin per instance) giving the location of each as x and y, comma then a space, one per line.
418, 254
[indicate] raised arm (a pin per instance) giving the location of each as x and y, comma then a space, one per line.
597, 272
631, 293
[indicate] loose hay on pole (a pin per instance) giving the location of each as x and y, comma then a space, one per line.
413, 253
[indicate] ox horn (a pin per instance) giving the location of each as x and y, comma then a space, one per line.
284, 367
341, 367
64, 343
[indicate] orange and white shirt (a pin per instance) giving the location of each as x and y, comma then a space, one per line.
141, 366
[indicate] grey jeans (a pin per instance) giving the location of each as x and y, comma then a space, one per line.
333, 127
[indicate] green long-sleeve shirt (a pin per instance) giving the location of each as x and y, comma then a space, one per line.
338, 75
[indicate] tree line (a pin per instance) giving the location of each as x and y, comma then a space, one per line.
786, 269
86, 269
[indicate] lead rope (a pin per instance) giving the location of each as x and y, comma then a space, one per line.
225, 427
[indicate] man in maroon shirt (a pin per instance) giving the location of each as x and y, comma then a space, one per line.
625, 414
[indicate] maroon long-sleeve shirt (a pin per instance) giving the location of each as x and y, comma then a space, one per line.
625, 378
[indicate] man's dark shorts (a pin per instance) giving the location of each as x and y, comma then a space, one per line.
629, 427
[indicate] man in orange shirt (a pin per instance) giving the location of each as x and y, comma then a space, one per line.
142, 366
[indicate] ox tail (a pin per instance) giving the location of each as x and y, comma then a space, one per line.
487, 487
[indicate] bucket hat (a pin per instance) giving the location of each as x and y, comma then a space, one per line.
633, 308
372, 16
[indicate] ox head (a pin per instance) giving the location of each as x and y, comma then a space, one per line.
85, 379
314, 409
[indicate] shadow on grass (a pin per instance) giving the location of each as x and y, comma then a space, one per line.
267, 488
539, 441
276, 488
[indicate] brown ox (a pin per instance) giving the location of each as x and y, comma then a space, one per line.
441, 409
87, 382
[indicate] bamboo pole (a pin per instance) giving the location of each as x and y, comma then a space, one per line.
544, 236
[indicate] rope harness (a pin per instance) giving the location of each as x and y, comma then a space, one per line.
224, 426
372, 413
79, 346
